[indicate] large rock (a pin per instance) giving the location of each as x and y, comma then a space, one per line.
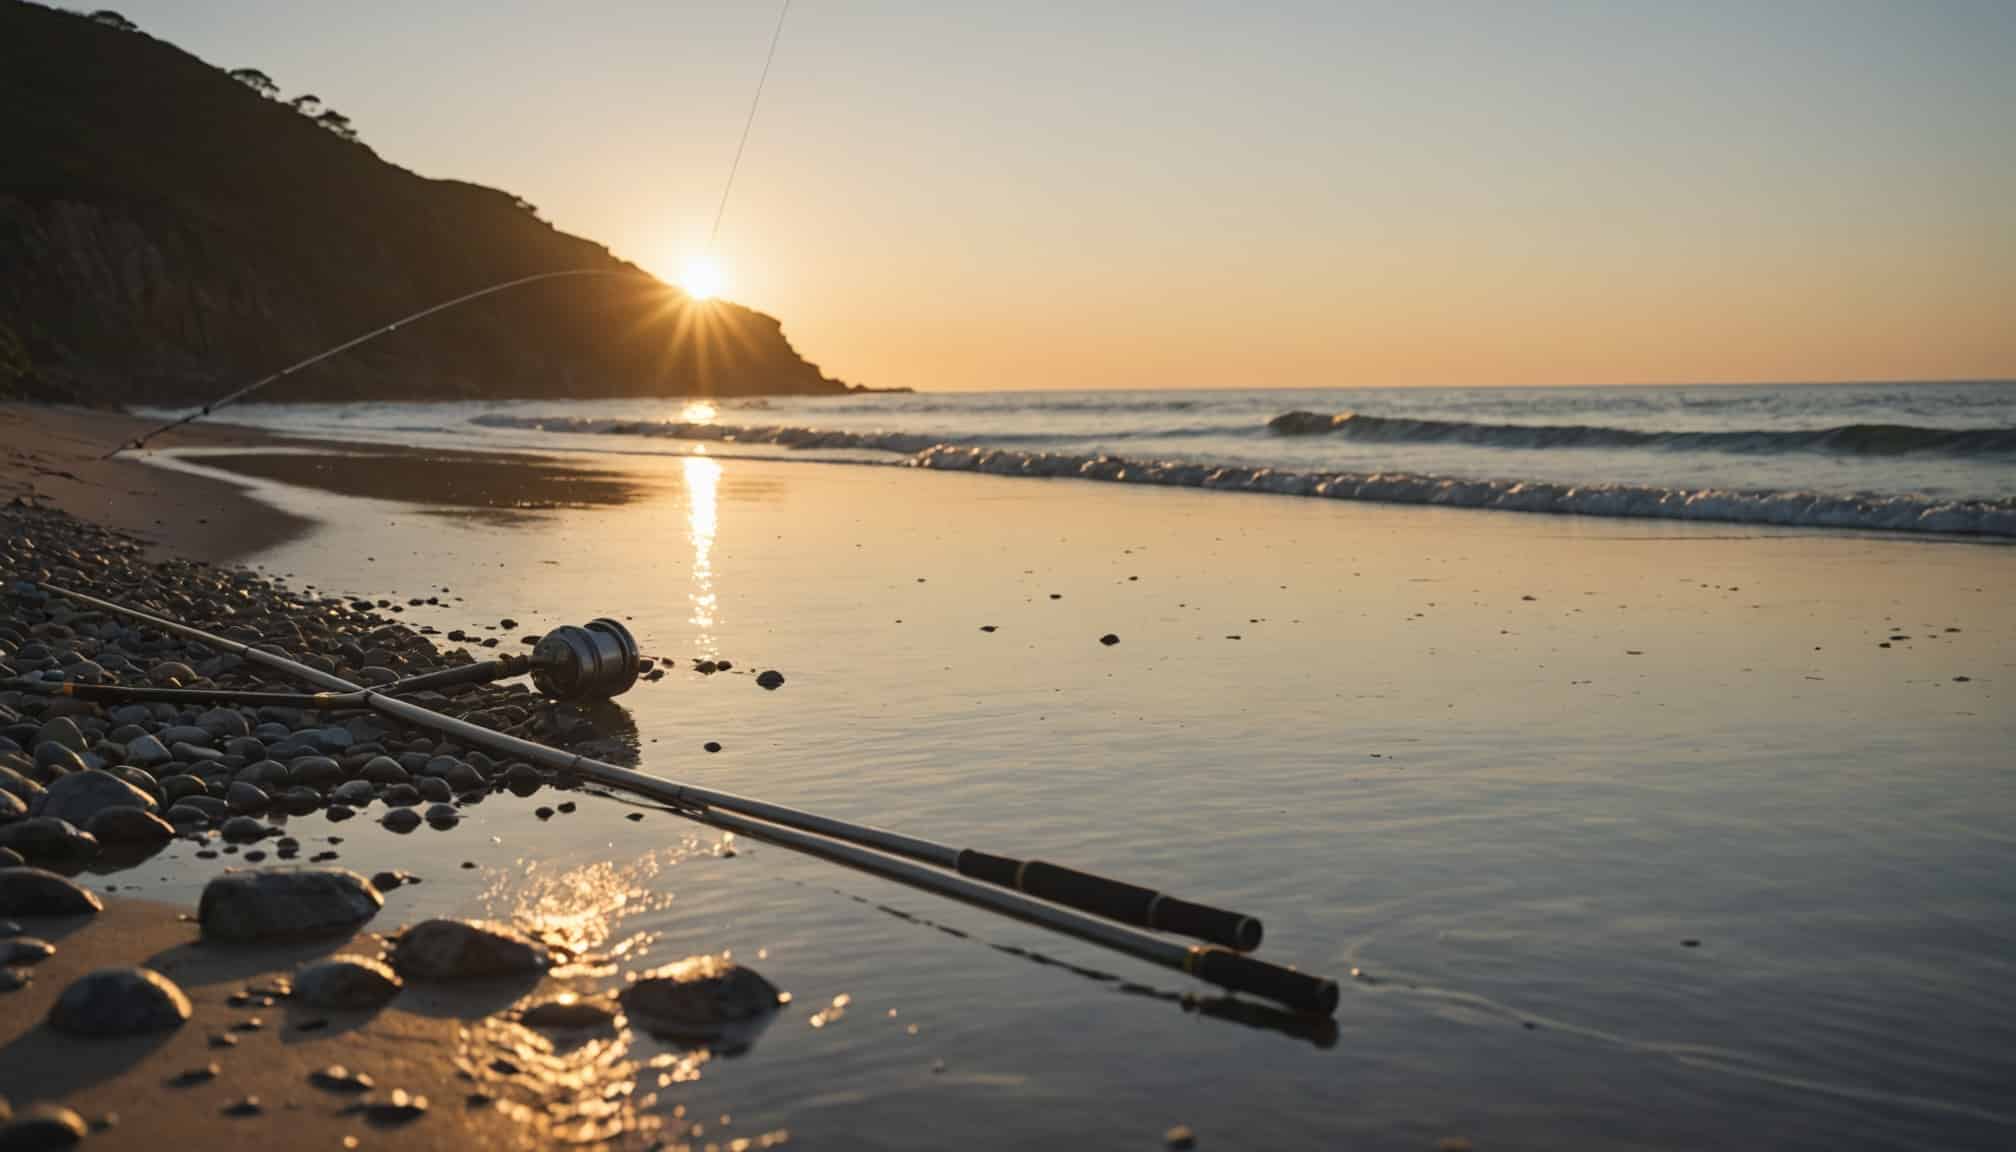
45, 838
701, 999
285, 903
33, 892
465, 950
119, 1002
345, 983
81, 795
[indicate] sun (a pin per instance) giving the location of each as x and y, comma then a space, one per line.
701, 279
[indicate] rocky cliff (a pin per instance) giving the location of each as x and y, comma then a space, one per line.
167, 233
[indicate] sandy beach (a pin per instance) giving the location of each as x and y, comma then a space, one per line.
1589, 812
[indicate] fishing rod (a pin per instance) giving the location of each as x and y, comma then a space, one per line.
873, 850
601, 661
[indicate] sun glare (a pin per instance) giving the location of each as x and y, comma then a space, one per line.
701, 280
698, 412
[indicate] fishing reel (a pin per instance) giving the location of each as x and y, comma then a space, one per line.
591, 662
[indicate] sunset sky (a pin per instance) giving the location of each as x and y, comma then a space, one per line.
946, 195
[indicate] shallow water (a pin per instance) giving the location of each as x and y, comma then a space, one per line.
1506, 815
1904, 457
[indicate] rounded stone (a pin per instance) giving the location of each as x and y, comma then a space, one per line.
568, 1012
285, 903
346, 983
443, 815
45, 1126
130, 826
119, 1002
243, 830
82, 795
383, 770
243, 797
700, 999
46, 838
522, 779
400, 819
465, 950
316, 771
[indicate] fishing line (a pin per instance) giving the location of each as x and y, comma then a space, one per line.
140, 441
756, 101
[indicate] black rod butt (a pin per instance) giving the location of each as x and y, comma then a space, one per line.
1299, 991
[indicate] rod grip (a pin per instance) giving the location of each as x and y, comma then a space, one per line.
1113, 899
1299, 991
1202, 922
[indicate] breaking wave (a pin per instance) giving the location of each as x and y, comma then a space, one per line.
1848, 439
1885, 513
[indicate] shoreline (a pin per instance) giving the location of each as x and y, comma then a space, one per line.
52, 456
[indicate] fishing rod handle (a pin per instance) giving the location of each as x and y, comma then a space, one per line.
1299, 991
1113, 899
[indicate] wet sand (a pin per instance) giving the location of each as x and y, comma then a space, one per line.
55, 457
411, 1045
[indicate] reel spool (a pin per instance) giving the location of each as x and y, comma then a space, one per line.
592, 662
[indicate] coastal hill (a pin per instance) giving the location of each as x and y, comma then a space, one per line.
169, 230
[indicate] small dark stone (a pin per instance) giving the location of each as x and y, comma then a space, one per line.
712, 746
1109, 639
249, 1106
770, 679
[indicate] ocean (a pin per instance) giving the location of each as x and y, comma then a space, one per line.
1616, 832
1901, 457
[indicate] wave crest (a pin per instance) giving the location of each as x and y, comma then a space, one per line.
1790, 509
1847, 440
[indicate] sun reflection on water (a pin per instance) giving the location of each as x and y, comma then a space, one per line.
591, 1087
703, 483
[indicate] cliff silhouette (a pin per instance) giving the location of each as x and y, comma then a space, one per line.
169, 231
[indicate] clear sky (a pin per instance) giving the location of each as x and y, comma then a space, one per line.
1034, 194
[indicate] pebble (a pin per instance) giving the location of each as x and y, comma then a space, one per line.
700, 999
443, 815
276, 904
247, 1106
130, 826
25, 950
43, 1126
82, 795
1109, 639
401, 1107
770, 678
243, 830
347, 982
337, 1078
465, 950
522, 779
712, 746
44, 838
243, 797
119, 1002
400, 819
195, 1076
1180, 1136
569, 1012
